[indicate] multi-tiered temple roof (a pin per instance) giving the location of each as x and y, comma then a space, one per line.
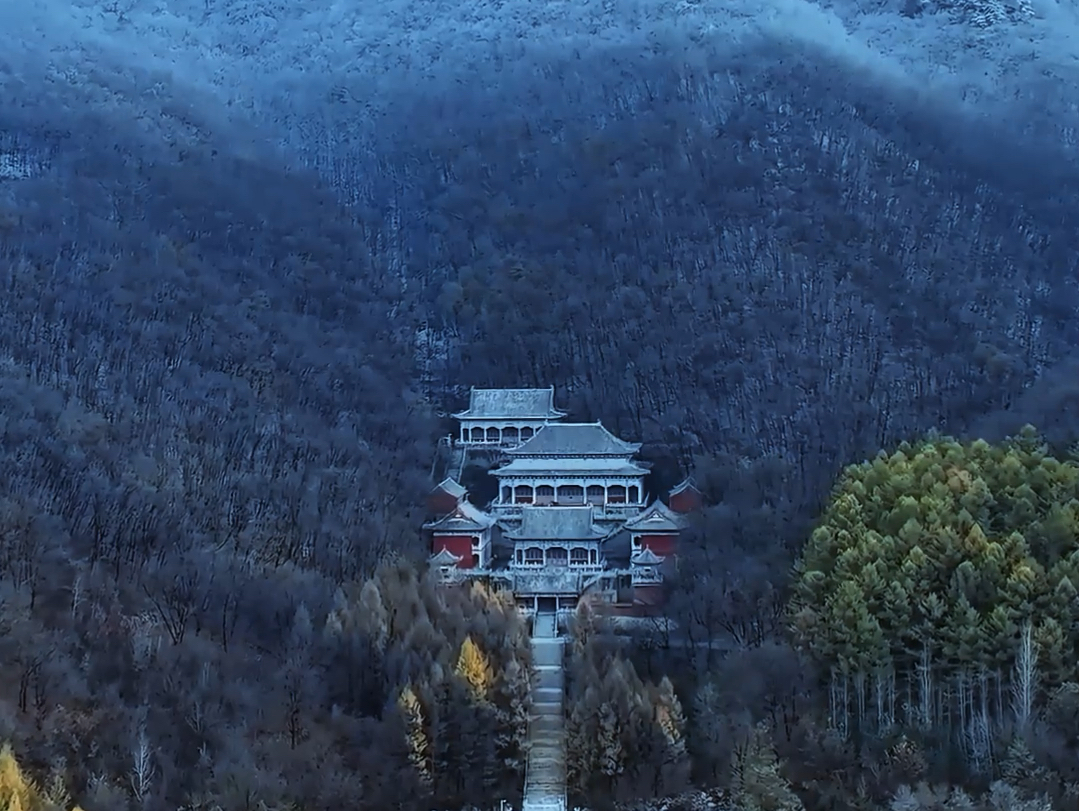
574, 449
575, 439
510, 404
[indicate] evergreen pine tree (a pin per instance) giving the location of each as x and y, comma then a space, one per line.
582, 757
448, 766
1019, 767
756, 782
375, 617
611, 756
513, 702
481, 750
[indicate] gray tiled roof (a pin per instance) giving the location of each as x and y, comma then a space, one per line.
445, 558
575, 439
465, 518
557, 524
449, 485
646, 557
686, 484
570, 467
511, 404
657, 517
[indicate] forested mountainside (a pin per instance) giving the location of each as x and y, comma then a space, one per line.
251, 253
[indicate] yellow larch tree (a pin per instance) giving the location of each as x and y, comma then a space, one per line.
20, 793
418, 748
474, 667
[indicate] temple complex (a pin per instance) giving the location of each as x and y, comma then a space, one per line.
571, 518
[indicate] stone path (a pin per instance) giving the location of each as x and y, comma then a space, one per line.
545, 774
457, 463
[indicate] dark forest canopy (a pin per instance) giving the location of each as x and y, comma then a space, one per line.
252, 253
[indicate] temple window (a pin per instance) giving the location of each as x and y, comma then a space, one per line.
578, 557
544, 494
477, 435
616, 494
507, 495
492, 435
534, 556
634, 496
526, 433
595, 494
523, 494
509, 434
570, 494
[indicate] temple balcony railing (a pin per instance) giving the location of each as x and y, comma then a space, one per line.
453, 574
487, 445
574, 568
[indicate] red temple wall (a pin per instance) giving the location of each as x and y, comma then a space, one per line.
460, 545
685, 502
662, 545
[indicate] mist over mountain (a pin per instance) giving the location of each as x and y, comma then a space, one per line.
744, 213
709, 224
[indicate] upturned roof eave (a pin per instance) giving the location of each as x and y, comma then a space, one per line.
553, 414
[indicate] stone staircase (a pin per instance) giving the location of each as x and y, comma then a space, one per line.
545, 772
450, 459
457, 463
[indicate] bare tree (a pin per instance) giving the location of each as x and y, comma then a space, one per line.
1024, 678
142, 772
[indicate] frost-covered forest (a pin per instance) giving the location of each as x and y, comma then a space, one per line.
251, 253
